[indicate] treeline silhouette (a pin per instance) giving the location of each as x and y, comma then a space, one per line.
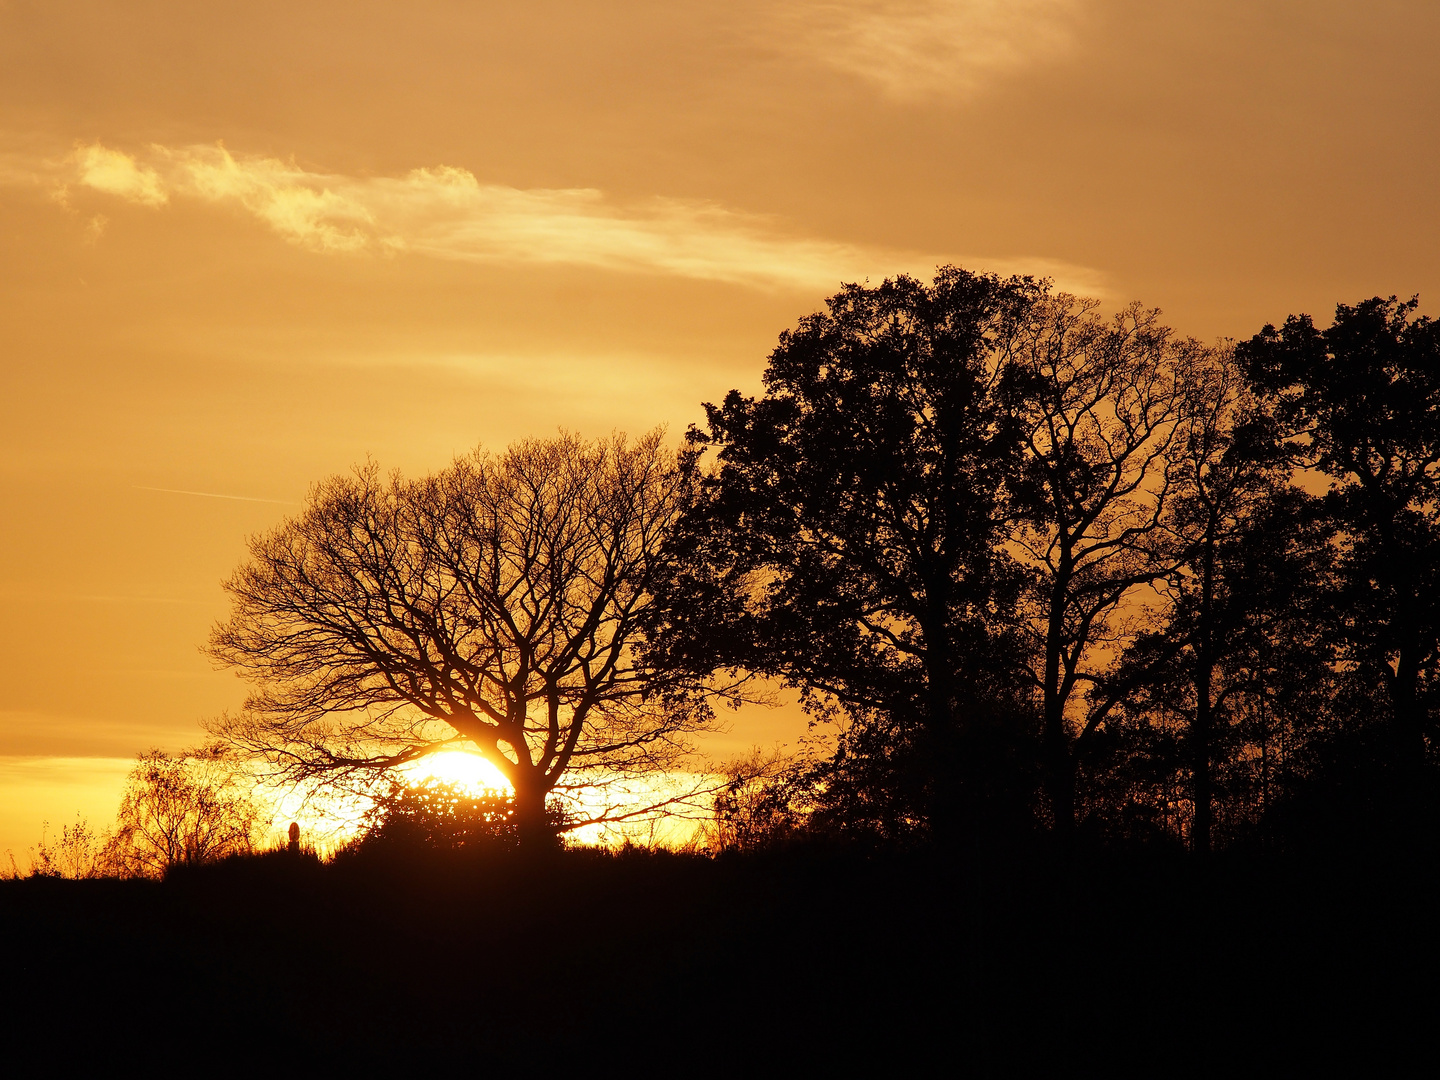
1060, 573
1047, 571
1129, 644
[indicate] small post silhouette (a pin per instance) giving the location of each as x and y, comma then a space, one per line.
294, 847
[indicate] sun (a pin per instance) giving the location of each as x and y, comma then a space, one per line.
463, 768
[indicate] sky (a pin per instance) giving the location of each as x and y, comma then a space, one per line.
245, 246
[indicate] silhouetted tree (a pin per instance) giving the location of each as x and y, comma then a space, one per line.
1227, 462
764, 803
494, 604
1103, 402
850, 540
1276, 654
1365, 394
182, 809
1247, 629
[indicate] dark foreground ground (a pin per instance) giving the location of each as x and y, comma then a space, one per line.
789, 964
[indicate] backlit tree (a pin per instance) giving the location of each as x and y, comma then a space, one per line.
492, 606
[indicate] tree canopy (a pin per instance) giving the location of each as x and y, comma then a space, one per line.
1363, 396
1016, 546
494, 605
848, 541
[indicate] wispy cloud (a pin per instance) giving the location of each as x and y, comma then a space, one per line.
117, 173
323, 212
447, 213
916, 49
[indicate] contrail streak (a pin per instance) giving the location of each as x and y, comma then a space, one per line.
215, 495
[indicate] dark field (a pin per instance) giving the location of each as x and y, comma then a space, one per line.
655, 964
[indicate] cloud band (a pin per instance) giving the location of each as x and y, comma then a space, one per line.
446, 213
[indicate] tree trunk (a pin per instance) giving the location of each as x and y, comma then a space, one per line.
1059, 766
1200, 738
1201, 730
534, 833
1060, 772
948, 775
1406, 718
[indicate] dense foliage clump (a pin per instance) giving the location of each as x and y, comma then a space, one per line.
439, 816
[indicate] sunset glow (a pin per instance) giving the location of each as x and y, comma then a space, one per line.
465, 770
244, 248
810, 538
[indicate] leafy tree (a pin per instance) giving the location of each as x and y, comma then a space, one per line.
1365, 396
848, 541
182, 809
494, 604
1276, 654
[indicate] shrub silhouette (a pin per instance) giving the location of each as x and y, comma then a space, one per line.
79, 852
440, 815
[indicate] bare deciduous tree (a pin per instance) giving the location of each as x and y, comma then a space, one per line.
1104, 401
181, 809
493, 605
1230, 465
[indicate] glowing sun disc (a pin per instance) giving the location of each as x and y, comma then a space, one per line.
460, 767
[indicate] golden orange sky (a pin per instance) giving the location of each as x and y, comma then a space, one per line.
242, 246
